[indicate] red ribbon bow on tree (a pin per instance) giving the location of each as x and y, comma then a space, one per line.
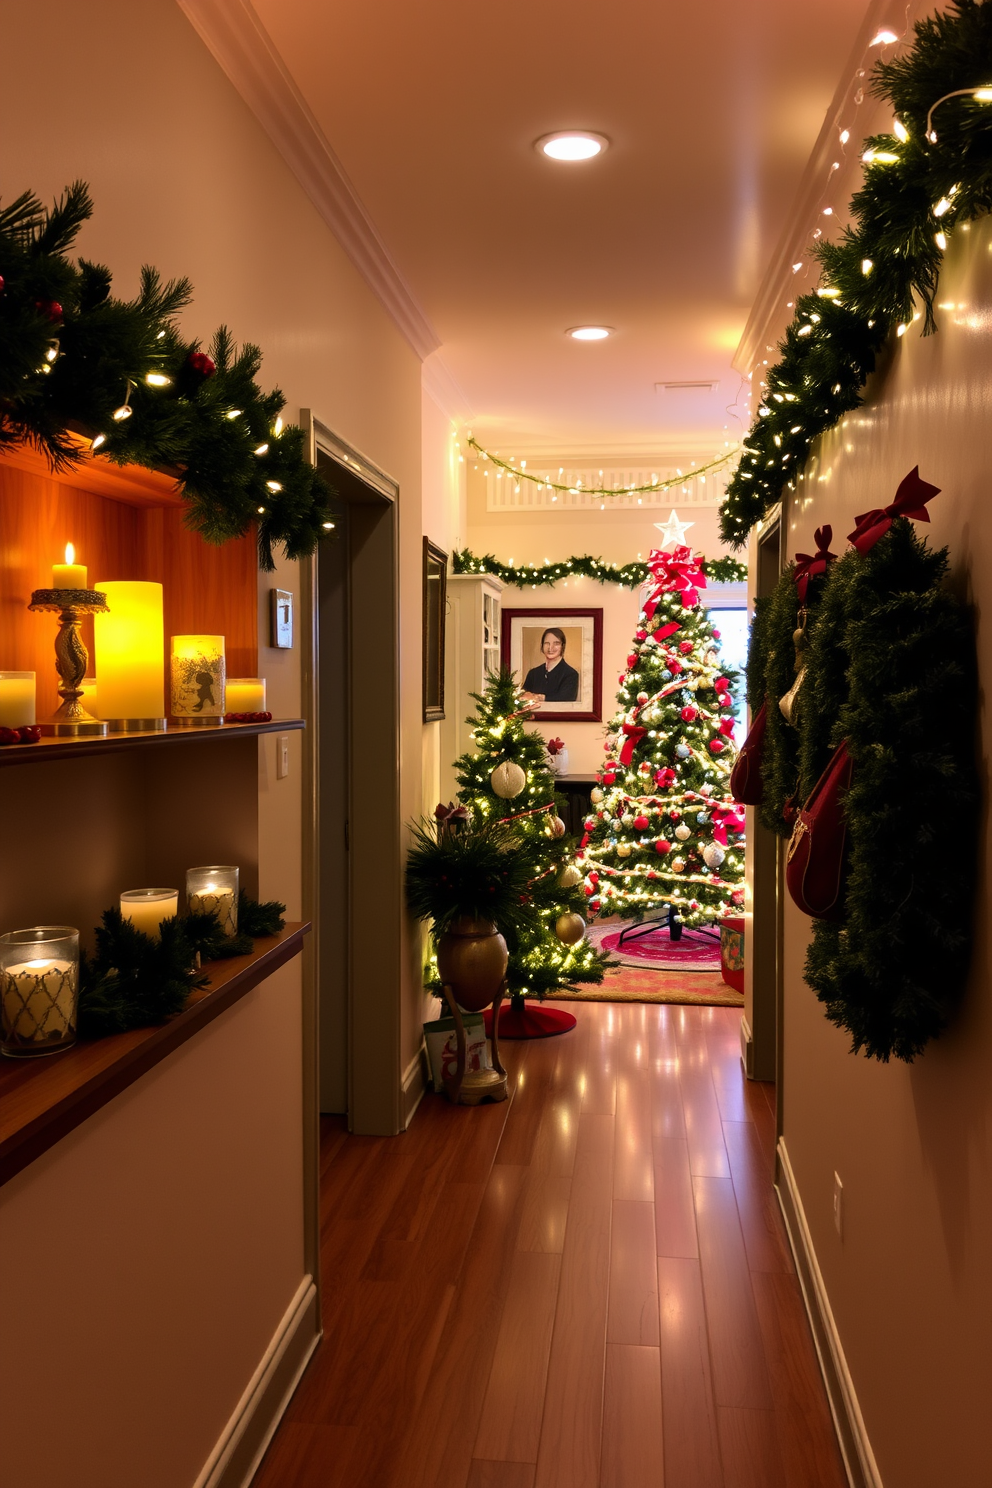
811, 565
910, 501
634, 734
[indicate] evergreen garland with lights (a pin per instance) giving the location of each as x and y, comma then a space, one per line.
74, 360
629, 576
542, 482
540, 963
931, 173
663, 828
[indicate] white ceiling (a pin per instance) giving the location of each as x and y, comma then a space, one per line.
712, 110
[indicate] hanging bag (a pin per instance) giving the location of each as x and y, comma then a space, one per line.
814, 867
745, 777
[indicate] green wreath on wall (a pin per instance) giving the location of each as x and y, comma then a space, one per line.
76, 360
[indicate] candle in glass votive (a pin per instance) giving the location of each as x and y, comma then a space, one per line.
147, 908
214, 888
70, 574
39, 974
17, 699
245, 695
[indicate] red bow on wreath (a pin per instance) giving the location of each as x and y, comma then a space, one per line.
811, 565
634, 734
910, 498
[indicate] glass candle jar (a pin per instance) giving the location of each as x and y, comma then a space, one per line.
245, 695
39, 984
199, 673
17, 699
147, 908
214, 889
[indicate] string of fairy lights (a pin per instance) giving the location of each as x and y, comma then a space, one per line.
517, 470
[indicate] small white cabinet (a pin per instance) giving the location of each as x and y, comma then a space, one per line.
472, 650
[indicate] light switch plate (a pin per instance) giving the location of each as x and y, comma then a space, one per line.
281, 627
282, 756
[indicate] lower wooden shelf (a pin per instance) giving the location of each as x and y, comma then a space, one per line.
49, 748
42, 1100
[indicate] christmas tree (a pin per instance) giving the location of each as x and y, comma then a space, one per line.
664, 829
508, 779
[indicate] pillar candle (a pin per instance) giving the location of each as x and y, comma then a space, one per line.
147, 908
245, 694
17, 699
130, 651
69, 575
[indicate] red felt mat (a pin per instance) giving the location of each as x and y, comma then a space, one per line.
534, 1021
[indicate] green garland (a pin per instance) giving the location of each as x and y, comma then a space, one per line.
915, 191
630, 576
891, 670
134, 981
73, 359
541, 481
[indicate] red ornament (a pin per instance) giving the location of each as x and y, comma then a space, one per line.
664, 776
631, 661
640, 823
641, 635
51, 308
199, 362
651, 873
716, 746
585, 841
594, 878
685, 647
609, 778
661, 846
688, 713
675, 668
622, 678
727, 726
721, 684
593, 906
716, 635
725, 700
675, 813
589, 891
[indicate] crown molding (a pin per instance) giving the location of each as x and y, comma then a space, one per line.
239, 43
440, 385
769, 317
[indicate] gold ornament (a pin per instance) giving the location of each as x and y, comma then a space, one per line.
556, 827
569, 876
623, 850
570, 928
678, 864
787, 704
508, 780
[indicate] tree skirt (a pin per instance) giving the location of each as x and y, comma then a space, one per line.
654, 950
625, 984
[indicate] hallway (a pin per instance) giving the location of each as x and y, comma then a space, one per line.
588, 1286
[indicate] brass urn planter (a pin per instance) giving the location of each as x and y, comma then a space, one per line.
472, 960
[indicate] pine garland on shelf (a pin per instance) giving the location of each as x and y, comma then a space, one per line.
74, 360
931, 174
629, 576
134, 981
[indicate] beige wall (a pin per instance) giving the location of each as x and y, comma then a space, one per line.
617, 536
910, 1284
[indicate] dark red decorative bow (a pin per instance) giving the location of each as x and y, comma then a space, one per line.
910, 501
634, 734
451, 816
555, 746
678, 570
811, 565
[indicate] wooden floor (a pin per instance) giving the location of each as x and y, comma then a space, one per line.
588, 1286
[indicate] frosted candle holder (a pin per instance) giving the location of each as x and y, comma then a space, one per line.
39, 983
199, 673
17, 699
147, 908
214, 889
245, 695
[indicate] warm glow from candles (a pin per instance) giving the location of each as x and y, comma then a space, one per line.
70, 574
130, 651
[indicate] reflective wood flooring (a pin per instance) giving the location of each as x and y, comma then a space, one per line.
588, 1286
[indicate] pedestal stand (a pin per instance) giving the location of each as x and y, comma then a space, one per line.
71, 720
472, 1087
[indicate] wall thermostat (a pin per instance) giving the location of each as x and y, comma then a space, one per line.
282, 618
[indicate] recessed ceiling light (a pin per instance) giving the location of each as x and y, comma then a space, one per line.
589, 333
571, 144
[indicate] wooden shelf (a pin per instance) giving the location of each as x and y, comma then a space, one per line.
43, 1099
134, 485
49, 749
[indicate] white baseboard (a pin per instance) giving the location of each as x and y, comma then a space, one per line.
414, 1085
859, 1459
243, 1442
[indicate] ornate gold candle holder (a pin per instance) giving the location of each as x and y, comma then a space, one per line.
71, 720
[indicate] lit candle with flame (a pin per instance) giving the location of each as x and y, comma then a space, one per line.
70, 574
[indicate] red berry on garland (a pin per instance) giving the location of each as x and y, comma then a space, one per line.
9, 736
661, 846
51, 308
199, 362
716, 746
29, 733
688, 713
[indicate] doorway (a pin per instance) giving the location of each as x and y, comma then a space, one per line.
353, 849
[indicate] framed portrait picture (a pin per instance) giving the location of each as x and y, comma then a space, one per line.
557, 656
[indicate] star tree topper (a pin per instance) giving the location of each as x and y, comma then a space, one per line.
674, 531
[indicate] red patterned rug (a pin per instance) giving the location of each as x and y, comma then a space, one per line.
654, 950
655, 970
